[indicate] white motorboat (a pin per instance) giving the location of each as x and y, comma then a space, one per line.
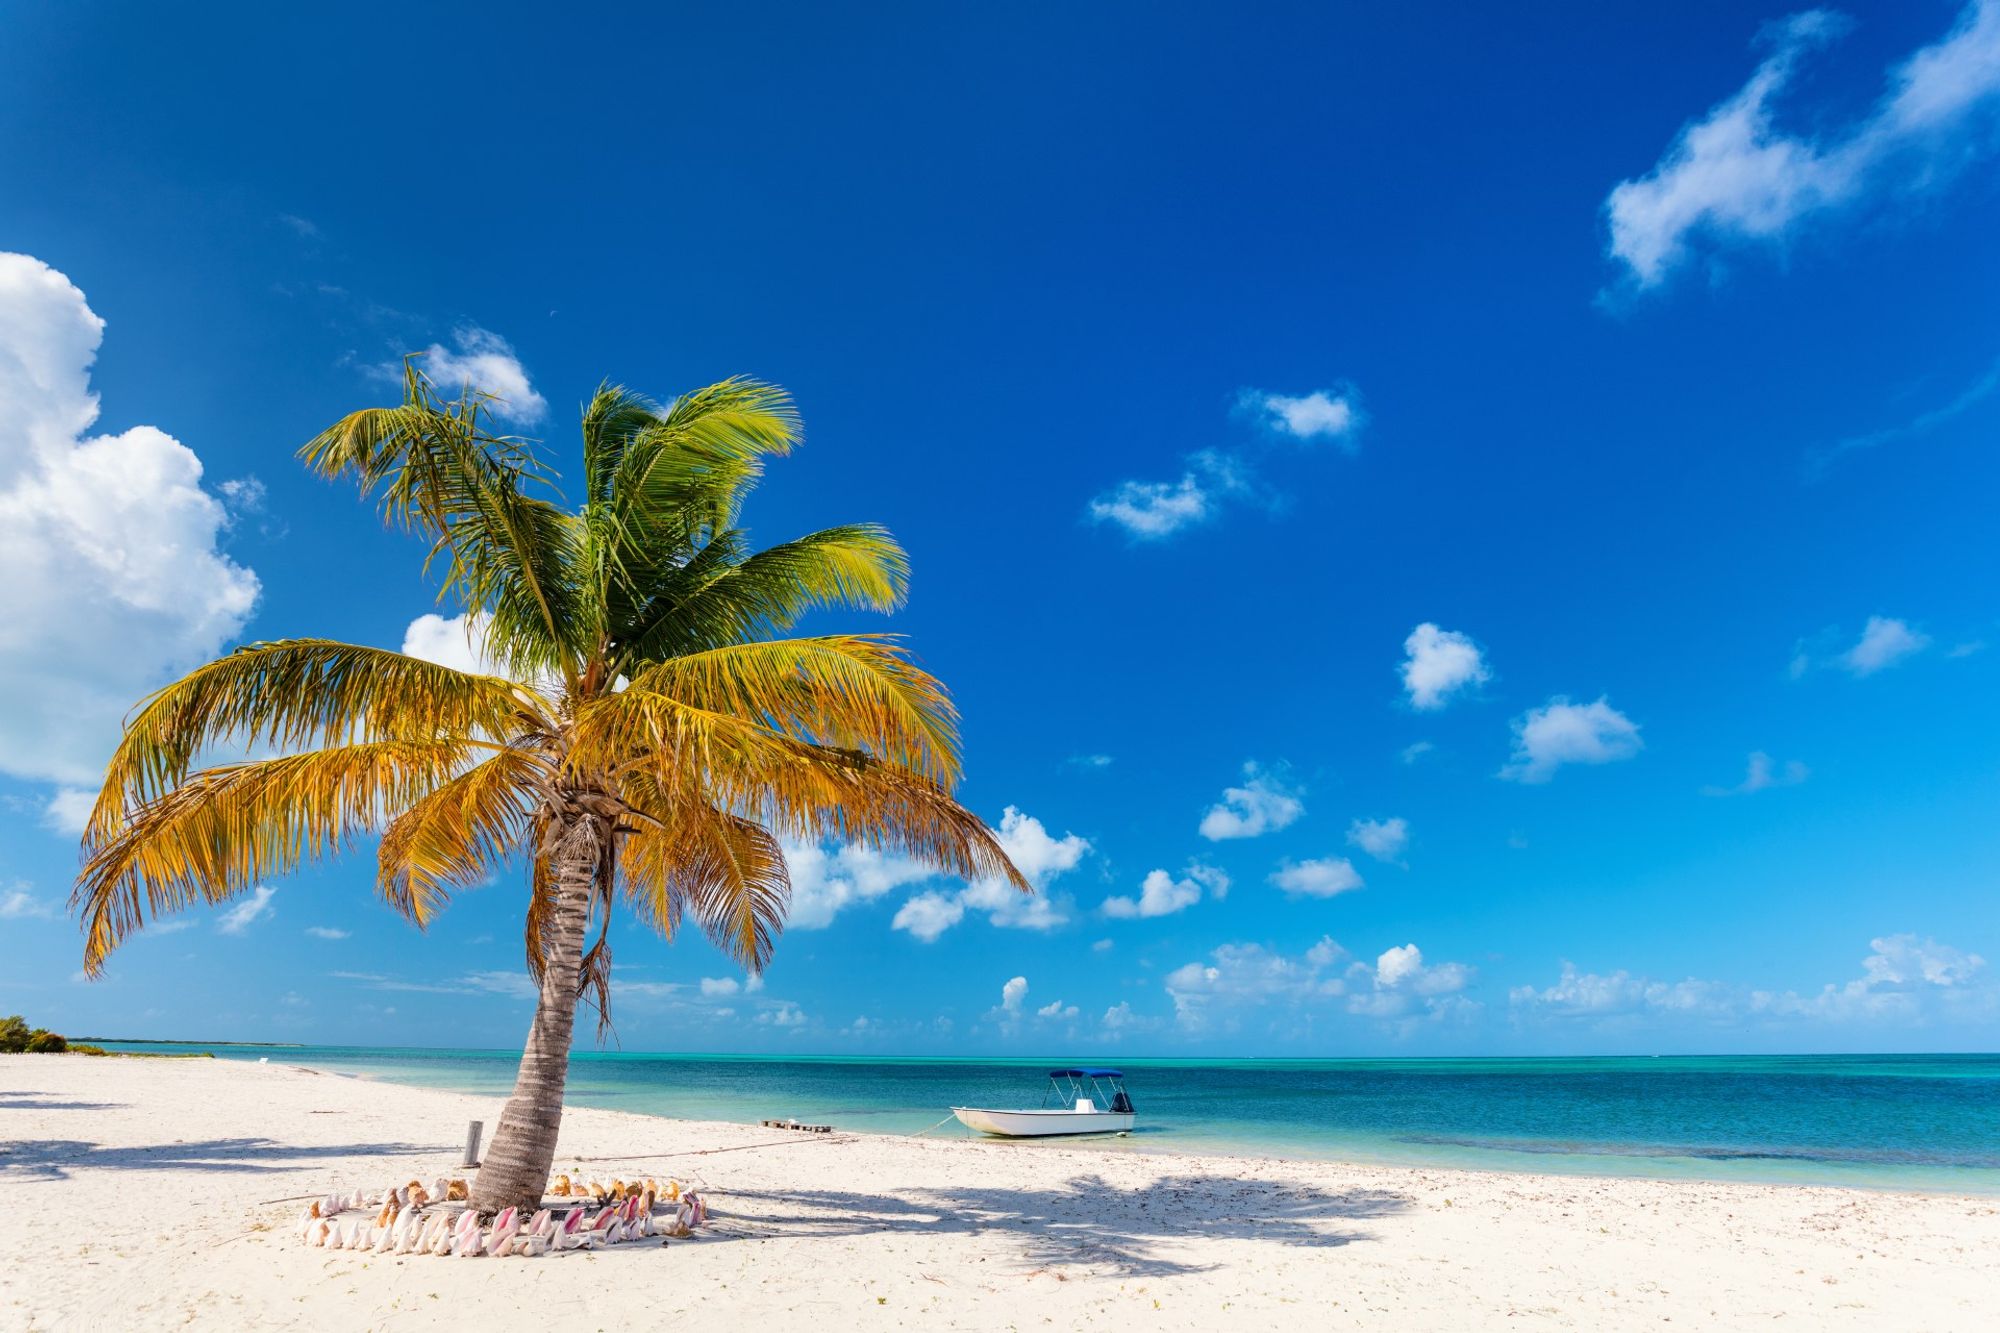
1079, 1101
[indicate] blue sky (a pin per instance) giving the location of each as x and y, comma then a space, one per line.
1471, 536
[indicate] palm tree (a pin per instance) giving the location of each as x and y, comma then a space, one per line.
638, 738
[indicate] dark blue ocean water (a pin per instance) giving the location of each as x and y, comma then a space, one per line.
1903, 1121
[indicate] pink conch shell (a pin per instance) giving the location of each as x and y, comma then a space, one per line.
541, 1223
504, 1227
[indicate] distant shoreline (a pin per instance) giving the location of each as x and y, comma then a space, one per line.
156, 1041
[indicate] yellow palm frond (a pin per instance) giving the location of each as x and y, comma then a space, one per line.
851, 692
299, 694
725, 871
224, 829
459, 834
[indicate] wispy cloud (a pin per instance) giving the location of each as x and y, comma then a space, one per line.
1884, 642
1904, 979
248, 912
328, 932
18, 904
1734, 176
1922, 424
515, 985
1155, 510
1383, 839
1763, 773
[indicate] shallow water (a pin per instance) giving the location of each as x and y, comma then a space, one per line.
1928, 1122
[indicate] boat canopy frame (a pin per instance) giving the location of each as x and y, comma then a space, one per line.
1103, 1088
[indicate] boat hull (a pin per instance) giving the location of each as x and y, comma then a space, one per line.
1041, 1124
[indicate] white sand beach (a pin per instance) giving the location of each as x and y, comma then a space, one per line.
136, 1195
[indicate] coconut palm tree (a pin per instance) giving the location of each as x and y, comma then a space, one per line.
635, 738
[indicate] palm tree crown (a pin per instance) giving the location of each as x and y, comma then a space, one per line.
639, 739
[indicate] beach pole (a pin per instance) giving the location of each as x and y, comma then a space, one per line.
473, 1130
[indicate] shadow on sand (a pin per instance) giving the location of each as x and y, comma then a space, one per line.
1087, 1221
55, 1159
32, 1101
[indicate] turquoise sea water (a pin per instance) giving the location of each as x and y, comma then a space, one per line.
1899, 1121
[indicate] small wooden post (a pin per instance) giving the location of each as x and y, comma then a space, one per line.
473, 1129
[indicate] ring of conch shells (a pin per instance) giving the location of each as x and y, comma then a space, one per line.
623, 1212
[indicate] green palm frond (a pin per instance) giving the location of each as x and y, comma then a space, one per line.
724, 596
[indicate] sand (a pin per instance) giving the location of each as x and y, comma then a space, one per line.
134, 1194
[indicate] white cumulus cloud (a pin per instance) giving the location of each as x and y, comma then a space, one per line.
1439, 663
715, 987
1160, 894
458, 642
1041, 858
68, 811
1263, 803
115, 579
826, 881
485, 361
1736, 175
928, 915
1012, 993
1323, 414
1561, 733
1321, 878
1405, 987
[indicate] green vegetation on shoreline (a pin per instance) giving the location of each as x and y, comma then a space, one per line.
17, 1038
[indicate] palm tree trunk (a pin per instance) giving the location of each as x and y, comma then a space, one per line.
516, 1169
